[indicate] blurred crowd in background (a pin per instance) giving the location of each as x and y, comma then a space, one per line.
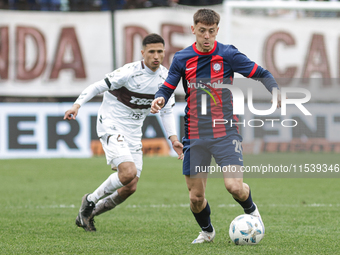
103, 5
97, 5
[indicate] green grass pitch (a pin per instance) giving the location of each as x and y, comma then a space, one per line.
40, 198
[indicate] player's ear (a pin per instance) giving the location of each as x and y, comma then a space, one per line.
193, 29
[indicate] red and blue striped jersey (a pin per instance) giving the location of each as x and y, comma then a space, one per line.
216, 66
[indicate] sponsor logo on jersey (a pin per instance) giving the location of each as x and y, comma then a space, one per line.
140, 101
131, 99
136, 116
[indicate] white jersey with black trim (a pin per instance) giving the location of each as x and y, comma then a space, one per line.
127, 101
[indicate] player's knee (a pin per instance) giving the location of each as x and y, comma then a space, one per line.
127, 173
196, 200
129, 176
235, 189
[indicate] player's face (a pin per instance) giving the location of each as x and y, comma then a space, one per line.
153, 55
205, 36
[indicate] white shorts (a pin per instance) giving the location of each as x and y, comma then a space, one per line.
117, 151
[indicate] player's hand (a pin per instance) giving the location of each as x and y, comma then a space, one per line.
157, 104
72, 113
178, 147
278, 98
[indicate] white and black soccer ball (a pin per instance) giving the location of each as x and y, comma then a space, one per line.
246, 229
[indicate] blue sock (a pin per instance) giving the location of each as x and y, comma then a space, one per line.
203, 219
248, 205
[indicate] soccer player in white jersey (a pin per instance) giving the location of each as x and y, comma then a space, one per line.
128, 93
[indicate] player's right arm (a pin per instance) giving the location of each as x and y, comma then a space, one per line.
113, 80
72, 112
167, 89
87, 94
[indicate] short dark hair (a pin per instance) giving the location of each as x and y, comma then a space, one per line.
206, 17
152, 38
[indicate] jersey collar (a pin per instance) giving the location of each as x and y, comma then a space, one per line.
148, 70
204, 53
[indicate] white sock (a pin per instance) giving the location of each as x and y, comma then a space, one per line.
106, 188
116, 198
107, 203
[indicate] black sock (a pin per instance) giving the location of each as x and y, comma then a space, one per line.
203, 219
248, 205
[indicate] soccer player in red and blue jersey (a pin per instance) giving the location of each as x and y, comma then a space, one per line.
201, 66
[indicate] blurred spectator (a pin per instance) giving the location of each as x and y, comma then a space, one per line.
104, 5
64, 5
96, 5
134, 4
80, 5
49, 5
18, 5
108, 4
3, 4
198, 2
156, 3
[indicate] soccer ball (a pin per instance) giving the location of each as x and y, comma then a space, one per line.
246, 229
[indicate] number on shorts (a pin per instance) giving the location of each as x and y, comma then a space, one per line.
238, 146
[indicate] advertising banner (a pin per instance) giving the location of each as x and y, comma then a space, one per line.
53, 54
59, 54
37, 130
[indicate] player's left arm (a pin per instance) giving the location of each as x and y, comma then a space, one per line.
177, 146
243, 65
168, 121
268, 81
